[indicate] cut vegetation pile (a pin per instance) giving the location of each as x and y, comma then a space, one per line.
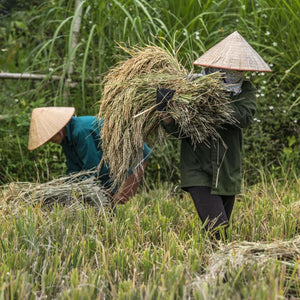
128, 105
237, 255
68, 191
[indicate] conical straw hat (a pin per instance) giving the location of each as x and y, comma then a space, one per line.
46, 122
233, 53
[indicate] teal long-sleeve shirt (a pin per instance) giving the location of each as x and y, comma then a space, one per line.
82, 147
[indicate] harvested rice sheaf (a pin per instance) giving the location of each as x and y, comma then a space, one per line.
73, 190
128, 106
237, 255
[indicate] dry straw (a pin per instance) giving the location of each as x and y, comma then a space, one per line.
128, 105
235, 256
73, 190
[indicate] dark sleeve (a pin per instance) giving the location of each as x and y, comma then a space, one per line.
72, 162
72, 167
244, 106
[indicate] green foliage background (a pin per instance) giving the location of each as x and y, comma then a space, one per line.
36, 38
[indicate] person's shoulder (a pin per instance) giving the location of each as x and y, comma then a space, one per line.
248, 91
80, 124
84, 121
248, 86
85, 118
86, 124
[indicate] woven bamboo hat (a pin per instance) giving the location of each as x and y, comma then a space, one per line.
234, 53
46, 122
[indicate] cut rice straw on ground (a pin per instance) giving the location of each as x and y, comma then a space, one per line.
238, 254
128, 106
67, 191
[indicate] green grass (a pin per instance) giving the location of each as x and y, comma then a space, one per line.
154, 248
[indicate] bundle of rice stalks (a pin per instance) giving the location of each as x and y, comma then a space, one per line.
66, 191
128, 105
236, 255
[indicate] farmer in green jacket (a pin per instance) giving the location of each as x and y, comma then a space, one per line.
80, 139
212, 173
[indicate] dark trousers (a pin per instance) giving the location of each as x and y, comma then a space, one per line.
213, 210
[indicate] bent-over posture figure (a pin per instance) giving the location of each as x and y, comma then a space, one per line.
80, 138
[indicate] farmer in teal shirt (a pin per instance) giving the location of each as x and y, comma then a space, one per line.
81, 143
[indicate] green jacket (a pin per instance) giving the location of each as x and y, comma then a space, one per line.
218, 167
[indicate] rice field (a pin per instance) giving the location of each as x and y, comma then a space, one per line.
154, 247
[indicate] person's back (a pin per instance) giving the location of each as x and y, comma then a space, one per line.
82, 147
